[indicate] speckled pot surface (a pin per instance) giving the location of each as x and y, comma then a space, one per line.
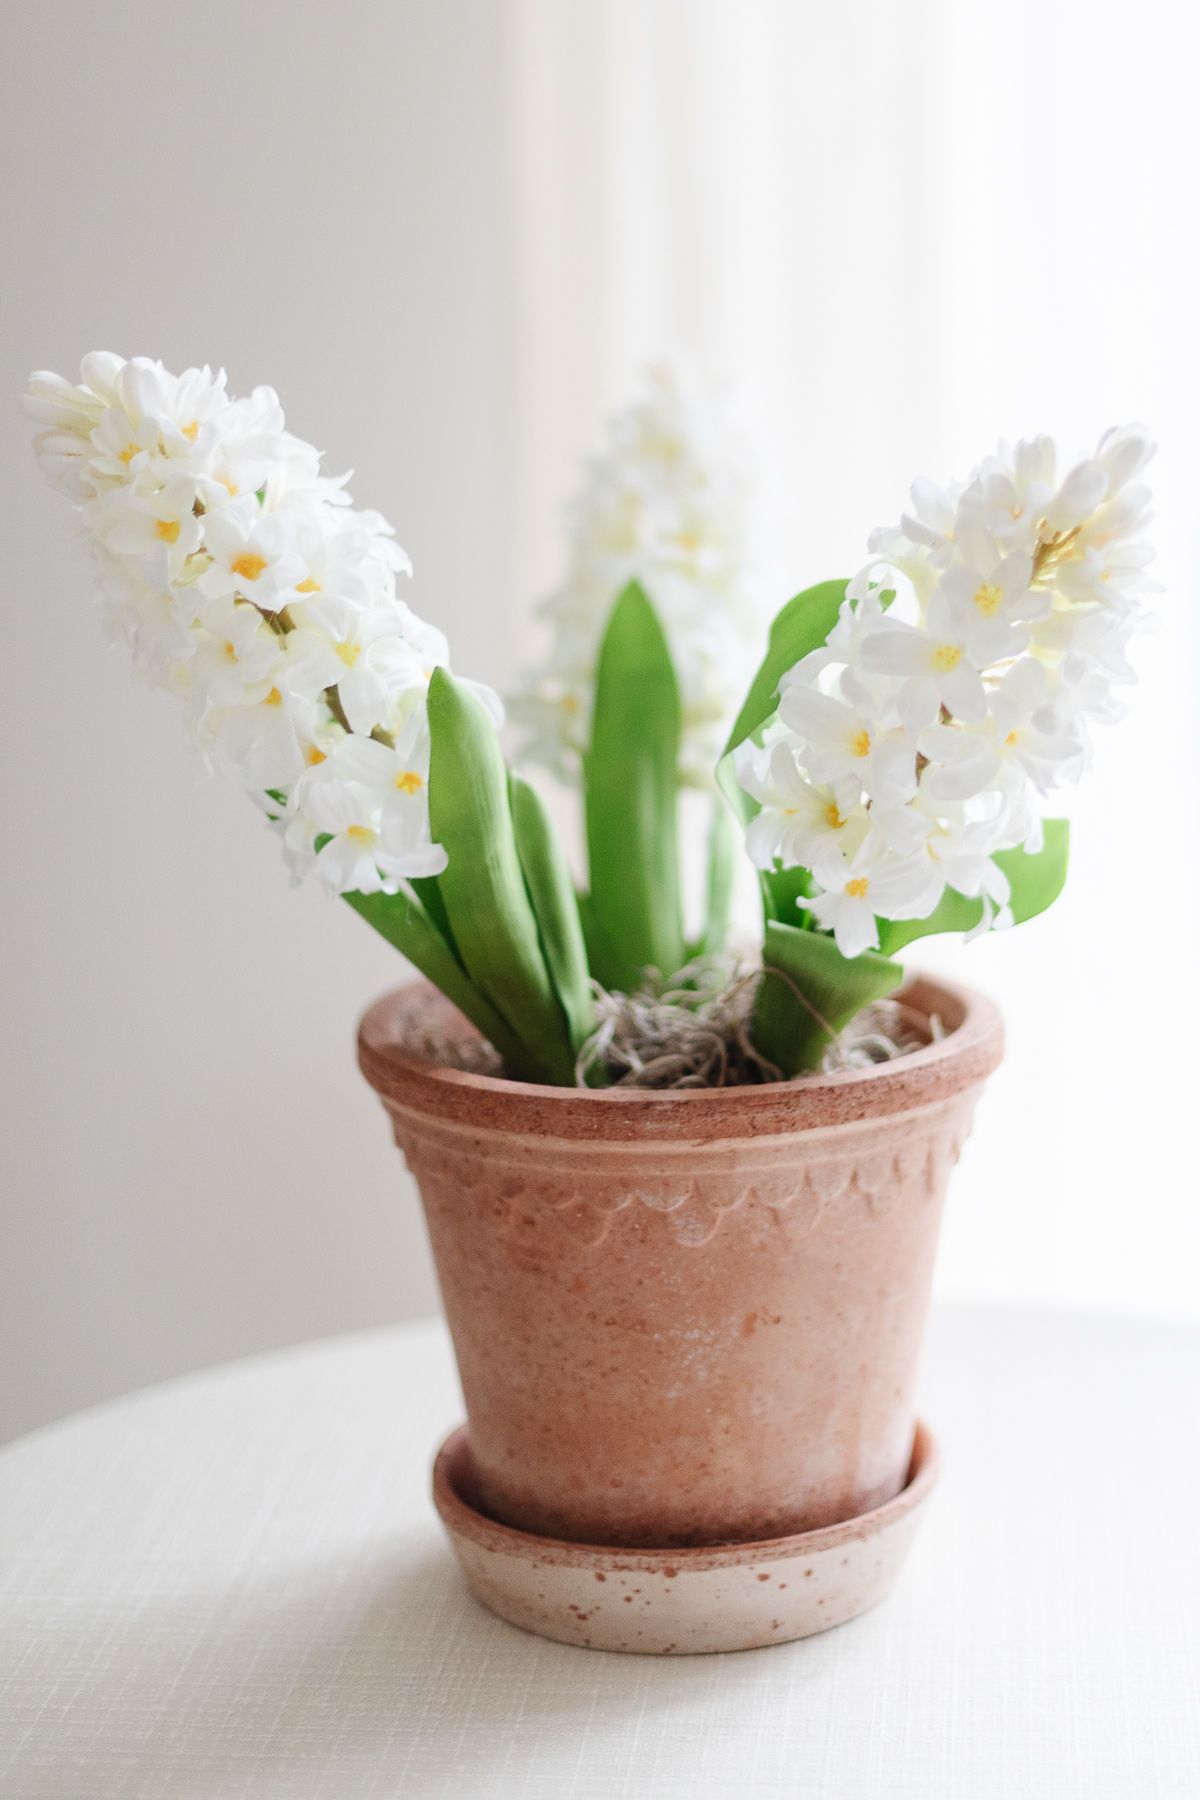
680, 1602
685, 1318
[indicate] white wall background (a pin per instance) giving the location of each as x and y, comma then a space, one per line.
314, 196
448, 233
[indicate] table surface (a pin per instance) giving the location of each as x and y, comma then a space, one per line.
234, 1587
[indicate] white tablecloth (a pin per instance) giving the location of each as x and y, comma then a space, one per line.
234, 1587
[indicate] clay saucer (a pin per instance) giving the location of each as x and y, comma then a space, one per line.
681, 1602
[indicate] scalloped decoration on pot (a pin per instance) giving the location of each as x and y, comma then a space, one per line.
692, 1205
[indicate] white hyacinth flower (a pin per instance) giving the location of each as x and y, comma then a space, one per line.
241, 578
360, 818
949, 715
800, 824
673, 502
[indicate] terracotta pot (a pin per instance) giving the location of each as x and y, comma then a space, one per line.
685, 1318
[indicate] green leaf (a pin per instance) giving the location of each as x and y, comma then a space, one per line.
430, 895
631, 785
552, 896
600, 952
798, 628
483, 886
815, 994
783, 894
723, 844
1036, 881
402, 920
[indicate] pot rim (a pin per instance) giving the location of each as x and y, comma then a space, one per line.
409, 1082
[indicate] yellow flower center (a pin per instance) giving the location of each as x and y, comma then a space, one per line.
362, 834
274, 698
409, 782
229, 650
947, 657
349, 653
229, 486
568, 703
189, 431
1011, 739
167, 530
248, 565
308, 587
128, 454
313, 756
988, 598
857, 889
833, 817
860, 743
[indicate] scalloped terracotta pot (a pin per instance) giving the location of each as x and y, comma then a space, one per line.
685, 1318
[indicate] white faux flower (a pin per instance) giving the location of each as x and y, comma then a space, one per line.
361, 817
238, 656
882, 886
254, 554
178, 407
261, 745
370, 660
241, 578
850, 747
146, 616
140, 520
69, 412
941, 663
672, 503
948, 716
800, 824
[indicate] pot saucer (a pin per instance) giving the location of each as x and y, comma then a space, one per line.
681, 1602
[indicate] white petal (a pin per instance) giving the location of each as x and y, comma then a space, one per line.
963, 692
1080, 494
898, 649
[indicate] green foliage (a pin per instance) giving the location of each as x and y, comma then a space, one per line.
724, 848
631, 791
502, 933
552, 896
784, 1027
798, 628
809, 992
483, 886
403, 921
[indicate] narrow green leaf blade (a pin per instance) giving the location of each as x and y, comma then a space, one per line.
1036, 881
798, 628
723, 845
631, 786
552, 896
483, 886
815, 994
784, 892
426, 888
401, 919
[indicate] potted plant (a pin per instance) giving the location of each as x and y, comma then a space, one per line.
684, 1211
